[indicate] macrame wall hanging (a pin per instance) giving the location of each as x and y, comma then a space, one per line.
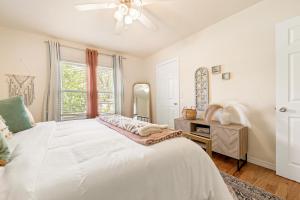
19, 85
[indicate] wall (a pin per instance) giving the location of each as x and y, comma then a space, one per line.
134, 72
245, 45
26, 53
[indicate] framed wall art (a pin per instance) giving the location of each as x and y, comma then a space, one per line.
226, 76
216, 69
202, 88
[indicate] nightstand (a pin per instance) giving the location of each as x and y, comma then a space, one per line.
229, 140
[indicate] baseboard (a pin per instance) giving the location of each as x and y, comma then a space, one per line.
261, 163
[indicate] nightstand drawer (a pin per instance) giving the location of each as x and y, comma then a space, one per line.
202, 141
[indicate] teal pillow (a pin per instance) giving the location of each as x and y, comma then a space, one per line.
4, 150
13, 112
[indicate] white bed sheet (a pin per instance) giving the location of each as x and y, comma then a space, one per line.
85, 160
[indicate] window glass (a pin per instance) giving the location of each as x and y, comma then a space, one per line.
106, 96
73, 96
73, 92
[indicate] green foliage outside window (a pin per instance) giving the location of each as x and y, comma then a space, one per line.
74, 90
105, 80
105, 84
74, 94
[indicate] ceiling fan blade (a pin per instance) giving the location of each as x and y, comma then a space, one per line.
147, 2
143, 19
119, 26
95, 6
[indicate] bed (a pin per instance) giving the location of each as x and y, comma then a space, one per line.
86, 160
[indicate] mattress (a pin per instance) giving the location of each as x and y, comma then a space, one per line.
85, 160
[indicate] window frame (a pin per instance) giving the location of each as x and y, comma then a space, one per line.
61, 91
113, 91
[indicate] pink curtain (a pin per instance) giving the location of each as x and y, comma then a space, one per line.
92, 61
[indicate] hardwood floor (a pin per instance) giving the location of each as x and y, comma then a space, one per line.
260, 177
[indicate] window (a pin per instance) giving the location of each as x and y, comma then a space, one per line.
106, 97
73, 96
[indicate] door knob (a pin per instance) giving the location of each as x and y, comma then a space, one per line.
175, 104
282, 109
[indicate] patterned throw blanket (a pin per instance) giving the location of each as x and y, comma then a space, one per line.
130, 128
129, 124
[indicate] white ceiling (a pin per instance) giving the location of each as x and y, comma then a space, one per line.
175, 20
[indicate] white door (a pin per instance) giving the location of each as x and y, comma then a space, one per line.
167, 96
288, 99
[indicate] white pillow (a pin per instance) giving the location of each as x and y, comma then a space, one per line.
4, 129
30, 116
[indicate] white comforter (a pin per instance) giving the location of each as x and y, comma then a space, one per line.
84, 160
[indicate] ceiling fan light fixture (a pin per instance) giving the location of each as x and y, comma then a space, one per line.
138, 3
128, 20
123, 9
126, 12
134, 13
118, 16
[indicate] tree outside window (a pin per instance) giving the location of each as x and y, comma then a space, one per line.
73, 96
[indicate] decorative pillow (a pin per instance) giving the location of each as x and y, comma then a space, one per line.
30, 116
4, 151
4, 129
13, 112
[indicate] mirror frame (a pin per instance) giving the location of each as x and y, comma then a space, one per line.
150, 100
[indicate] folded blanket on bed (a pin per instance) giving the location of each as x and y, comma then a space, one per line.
151, 129
148, 140
133, 125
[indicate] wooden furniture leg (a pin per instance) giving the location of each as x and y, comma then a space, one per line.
241, 163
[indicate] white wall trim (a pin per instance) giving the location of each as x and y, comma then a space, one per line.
261, 163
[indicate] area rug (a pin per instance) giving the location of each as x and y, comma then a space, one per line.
244, 191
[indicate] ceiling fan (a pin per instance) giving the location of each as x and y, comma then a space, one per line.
127, 11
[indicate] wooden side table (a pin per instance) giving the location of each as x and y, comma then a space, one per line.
229, 140
204, 141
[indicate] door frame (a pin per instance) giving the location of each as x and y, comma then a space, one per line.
175, 59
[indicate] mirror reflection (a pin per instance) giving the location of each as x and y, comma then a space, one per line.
141, 102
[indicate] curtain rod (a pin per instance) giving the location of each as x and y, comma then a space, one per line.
80, 49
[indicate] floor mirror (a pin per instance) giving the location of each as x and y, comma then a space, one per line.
142, 102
